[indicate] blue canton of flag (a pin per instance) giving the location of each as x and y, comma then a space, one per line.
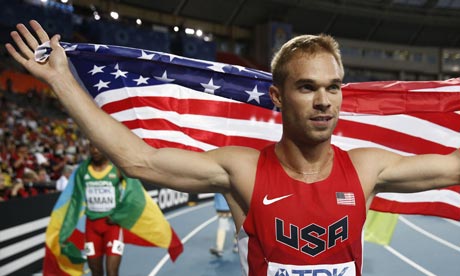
103, 67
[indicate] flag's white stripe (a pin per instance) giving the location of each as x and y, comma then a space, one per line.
162, 90
451, 88
411, 126
444, 196
347, 143
226, 126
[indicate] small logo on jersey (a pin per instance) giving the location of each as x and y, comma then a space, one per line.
268, 201
86, 176
282, 272
112, 175
345, 198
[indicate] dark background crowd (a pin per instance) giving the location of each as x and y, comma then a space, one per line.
39, 144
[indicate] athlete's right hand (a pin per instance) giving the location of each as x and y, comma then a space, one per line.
51, 70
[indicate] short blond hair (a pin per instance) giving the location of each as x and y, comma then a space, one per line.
309, 44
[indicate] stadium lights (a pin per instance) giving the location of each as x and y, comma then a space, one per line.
138, 21
96, 15
64, 1
199, 33
114, 15
189, 31
176, 28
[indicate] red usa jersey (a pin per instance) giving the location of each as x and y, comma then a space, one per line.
300, 229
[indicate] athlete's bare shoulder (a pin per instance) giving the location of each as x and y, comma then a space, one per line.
369, 163
235, 158
241, 165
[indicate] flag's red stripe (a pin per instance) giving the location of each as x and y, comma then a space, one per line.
50, 264
423, 208
78, 239
447, 120
388, 102
389, 138
197, 107
213, 138
400, 86
158, 143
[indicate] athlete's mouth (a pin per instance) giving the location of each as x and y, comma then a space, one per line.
321, 118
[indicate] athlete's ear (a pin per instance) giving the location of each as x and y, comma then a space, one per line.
275, 95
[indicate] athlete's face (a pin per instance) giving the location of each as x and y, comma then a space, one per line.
97, 157
310, 97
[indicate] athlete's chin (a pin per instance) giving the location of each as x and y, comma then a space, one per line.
319, 137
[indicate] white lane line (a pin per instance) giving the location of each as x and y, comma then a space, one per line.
409, 261
184, 241
429, 235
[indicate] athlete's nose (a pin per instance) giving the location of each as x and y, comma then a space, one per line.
321, 100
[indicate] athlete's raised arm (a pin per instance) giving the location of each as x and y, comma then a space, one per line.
174, 168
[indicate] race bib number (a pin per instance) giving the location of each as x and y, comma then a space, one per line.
342, 269
100, 198
117, 247
89, 249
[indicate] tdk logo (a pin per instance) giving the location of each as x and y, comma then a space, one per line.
312, 272
282, 272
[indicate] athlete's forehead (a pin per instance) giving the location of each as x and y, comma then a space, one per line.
321, 68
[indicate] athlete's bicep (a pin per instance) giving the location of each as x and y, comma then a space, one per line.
181, 170
419, 172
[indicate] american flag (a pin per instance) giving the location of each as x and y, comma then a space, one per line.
345, 198
172, 101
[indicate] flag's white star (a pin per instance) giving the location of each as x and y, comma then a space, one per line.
164, 78
254, 95
240, 68
119, 73
102, 84
171, 56
141, 80
97, 46
96, 69
218, 67
210, 87
70, 47
146, 56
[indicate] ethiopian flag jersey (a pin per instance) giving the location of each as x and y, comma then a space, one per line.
136, 212
102, 190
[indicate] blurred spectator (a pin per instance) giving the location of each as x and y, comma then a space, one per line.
21, 160
42, 176
61, 183
57, 161
3, 188
19, 190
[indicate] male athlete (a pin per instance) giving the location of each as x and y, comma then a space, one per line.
299, 204
100, 180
